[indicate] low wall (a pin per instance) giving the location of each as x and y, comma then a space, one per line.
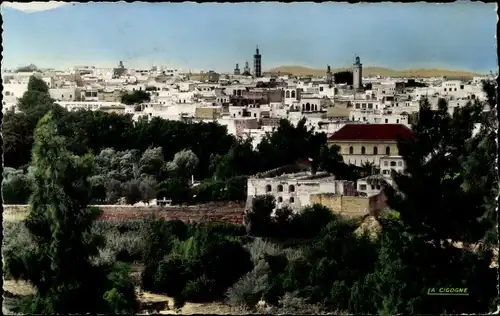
350, 206
212, 212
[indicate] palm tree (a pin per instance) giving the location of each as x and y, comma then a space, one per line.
367, 169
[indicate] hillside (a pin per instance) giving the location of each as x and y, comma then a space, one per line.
377, 71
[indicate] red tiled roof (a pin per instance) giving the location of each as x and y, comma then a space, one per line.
372, 132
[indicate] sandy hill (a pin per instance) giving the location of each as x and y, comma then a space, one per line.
378, 71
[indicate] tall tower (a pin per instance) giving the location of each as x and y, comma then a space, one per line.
329, 77
246, 71
257, 64
357, 81
237, 70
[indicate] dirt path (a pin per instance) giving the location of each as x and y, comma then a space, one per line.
151, 302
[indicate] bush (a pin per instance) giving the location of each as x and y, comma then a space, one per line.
311, 220
249, 289
200, 267
171, 276
16, 238
121, 298
291, 303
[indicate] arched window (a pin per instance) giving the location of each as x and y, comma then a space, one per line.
287, 94
375, 150
280, 188
292, 199
293, 93
308, 106
268, 188
351, 150
363, 150
280, 199
388, 151
291, 188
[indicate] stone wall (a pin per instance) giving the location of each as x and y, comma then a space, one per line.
211, 212
350, 206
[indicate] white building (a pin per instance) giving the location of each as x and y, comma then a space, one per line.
295, 190
389, 163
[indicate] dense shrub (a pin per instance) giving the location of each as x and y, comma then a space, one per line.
199, 268
250, 288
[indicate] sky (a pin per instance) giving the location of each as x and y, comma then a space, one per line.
216, 36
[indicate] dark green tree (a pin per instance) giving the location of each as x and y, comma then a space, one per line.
59, 221
18, 128
136, 97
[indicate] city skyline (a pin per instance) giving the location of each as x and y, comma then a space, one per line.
457, 36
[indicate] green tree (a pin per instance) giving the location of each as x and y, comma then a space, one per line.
183, 164
435, 162
152, 161
16, 186
136, 97
240, 160
59, 221
446, 194
18, 128
288, 144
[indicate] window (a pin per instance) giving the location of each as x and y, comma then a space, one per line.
357, 105
375, 150
387, 150
321, 89
293, 94
362, 187
291, 188
280, 188
385, 172
444, 89
280, 199
351, 150
397, 121
287, 94
268, 188
363, 150
370, 106
400, 163
373, 187
393, 163
455, 89
292, 200
364, 118
386, 163
386, 121
62, 96
461, 87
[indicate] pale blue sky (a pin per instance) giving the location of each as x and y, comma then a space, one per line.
457, 36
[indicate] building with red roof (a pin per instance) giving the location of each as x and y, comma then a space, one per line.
361, 143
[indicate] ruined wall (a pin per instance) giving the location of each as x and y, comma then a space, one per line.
212, 212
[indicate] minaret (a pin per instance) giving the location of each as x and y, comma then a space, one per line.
237, 70
357, 81
247, 68
257, 64
328, 74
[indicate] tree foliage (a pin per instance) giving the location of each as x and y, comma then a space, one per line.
59, 222
136, 97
